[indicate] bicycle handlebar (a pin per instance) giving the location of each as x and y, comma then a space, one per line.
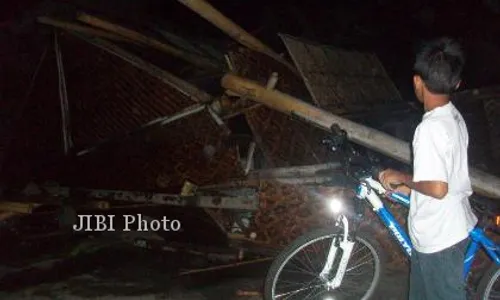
340, 143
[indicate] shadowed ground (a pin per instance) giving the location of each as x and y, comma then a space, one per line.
127, 272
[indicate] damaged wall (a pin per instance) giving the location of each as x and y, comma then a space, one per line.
108, 98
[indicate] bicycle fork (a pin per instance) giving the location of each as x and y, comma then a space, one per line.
346, 245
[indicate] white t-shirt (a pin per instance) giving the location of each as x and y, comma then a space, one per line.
440, 154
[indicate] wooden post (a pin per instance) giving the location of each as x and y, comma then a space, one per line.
212, 15
141, 38
483, 183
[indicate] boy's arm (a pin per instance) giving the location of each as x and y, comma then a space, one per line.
404, 183
430, 168
434, 189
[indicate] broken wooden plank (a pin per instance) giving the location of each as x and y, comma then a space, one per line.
219, 121
298, 171
241, 293
482, 182
162, 121
141, 38
212, 15
4, 215
210, 253
82, 29
233, 111
63, 97
250, 157
233, 265
253, 246
247, 202
18, 207
182, 86
337, 180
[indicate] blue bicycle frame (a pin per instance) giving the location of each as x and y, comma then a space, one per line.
477, 236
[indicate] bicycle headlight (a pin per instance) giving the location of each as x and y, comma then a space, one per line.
335, 205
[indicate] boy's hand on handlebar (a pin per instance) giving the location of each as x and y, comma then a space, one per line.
402, 189
393, 180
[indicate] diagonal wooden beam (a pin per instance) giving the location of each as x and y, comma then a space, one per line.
212, 15
179, 84
143, 39
482, 182
159, 122
82, 29
63, 97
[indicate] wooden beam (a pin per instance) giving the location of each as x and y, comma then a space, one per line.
290, 105
4, 215
63, 97
250, 157
82, 29
298, 171
18, 207
483, 183
143, 39
337, 179
180, 85
232, 265
248, 202
212, 15
159, 122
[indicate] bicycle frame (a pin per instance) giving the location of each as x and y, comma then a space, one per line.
477, 237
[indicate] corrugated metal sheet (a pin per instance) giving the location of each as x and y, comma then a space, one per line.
340, 80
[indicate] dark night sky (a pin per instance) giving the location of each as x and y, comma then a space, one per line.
391, 28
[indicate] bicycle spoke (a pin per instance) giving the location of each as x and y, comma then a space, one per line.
297, 291
304, 270
299, 275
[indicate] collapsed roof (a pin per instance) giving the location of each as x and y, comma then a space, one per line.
103, 105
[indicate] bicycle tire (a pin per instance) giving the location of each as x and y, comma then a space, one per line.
487, 281
308, 238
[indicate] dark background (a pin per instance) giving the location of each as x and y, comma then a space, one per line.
391, 28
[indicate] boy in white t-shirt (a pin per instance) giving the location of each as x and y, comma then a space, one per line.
440, 216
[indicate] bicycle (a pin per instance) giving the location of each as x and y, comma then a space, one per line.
344, 236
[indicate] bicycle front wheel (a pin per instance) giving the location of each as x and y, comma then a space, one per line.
489, 286
294, 274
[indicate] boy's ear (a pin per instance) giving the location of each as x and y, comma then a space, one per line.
417, 81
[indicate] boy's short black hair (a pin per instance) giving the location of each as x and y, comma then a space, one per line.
440, 63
